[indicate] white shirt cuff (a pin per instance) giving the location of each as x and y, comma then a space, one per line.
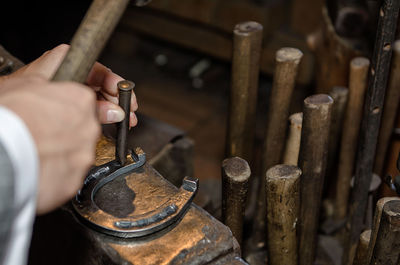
21, 149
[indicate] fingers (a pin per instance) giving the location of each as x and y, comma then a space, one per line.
101, 76
47, 64
111, 113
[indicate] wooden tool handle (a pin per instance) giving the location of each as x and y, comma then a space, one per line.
387, 246
247, 39
376, 224
287, 61
89, 40
362, 248
283, 208
292, 148
312, 161
351, 126
235, 182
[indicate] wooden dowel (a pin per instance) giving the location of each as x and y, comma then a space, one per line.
292, 148
351, 126
90, 39
390, 108
362, 248
376, 224
235, 181
247, 39
312, 161
372, 114
283, 204
387, 245
339, 95
287, 61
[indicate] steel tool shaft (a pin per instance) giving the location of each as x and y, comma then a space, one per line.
312, 161
125, 89
283, 204
247, 39
371, 122
391, 105
235, 182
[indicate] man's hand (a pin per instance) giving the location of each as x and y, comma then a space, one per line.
62, 120
101, 79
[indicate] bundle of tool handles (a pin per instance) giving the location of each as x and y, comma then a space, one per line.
282, 225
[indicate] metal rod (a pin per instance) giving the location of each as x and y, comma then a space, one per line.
387, 246
376, 224
283, 204
121, 148
362, 248
89, 40
287, 61
351, 126
312, 161
390, 108
292, 148
235, 182
371, 123
247, 39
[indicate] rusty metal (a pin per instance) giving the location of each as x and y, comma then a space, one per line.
125, 89
247, 39
358, 81
371, 122
235, 183
390, 108
286, 68
312, 161
90, 39
283, 204
387, 246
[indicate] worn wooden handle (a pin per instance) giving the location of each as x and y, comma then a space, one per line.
312, 161
362, 248
283, 207
90, 39
287, 61
235, 182
292, 148
247, 39
351, 126
387, 246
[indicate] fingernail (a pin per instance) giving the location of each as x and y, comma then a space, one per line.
115, 115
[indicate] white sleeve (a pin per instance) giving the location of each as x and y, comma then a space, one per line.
21, 149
